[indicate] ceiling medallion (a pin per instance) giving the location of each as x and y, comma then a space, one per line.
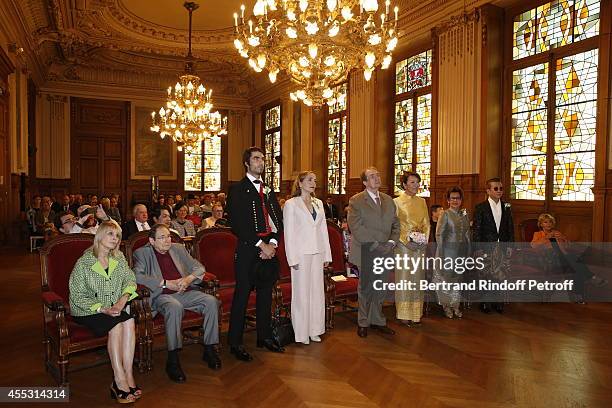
317, 42
187, 117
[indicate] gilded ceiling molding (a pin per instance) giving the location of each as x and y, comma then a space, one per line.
132, 23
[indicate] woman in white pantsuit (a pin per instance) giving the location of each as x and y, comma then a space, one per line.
308, 252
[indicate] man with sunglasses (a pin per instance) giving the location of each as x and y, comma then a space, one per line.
493, 224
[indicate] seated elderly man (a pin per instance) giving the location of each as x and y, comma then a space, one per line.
139, 223
169, 271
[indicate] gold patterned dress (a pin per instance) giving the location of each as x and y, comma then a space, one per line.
414, 217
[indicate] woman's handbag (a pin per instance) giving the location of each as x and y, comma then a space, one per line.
282, 329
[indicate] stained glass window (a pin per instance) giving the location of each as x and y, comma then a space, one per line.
193, 171
413, 73
575, 121
336, 143
413, 120
209, 154
553, 130
554, 25
529, 132
272, 146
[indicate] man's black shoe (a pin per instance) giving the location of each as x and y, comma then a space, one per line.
211, 356
271, 345
175, 372
240, 353
485, 308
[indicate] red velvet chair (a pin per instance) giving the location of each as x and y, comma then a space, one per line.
340, 291
196, 219
282, 291
62, 337
215, 249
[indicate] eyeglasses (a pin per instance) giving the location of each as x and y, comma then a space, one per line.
497, 189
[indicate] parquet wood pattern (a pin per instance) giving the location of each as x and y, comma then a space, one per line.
534, 355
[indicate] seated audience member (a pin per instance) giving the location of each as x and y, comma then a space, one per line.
435, 212
169, 272
139, 223
106, 207
88, 219
221, 197
184, 227
178, 198
44, 216
217, 214
78, 201
192, 208
64, 206
65, 223
170, 203
162, 216
113, 210
331, 210
206, 205
553, 246
93, 201
32, 211
99, 304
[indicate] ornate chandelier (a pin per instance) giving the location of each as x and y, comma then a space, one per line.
187, 117
317, 42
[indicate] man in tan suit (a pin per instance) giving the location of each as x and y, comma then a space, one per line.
372, 219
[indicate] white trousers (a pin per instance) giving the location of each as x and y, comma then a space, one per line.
308, 298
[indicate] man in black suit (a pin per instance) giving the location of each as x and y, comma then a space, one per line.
331, 211
140, 222
493, 223
257, 221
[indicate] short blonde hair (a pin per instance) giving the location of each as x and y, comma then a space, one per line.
546, 217
105, 201
102, 229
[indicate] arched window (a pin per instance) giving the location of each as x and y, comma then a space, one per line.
413, 119
554, 101
337, 130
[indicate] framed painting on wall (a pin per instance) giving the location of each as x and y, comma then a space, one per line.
150, 154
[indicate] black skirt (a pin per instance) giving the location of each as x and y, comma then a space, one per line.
100, 324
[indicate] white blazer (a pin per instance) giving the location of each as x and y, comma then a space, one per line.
303, 235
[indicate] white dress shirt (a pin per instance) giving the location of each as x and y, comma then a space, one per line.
496, 208
272, 226
142, 226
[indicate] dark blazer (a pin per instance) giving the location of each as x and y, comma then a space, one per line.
246, 213
130, 228
56, 207
484, 229
333, 212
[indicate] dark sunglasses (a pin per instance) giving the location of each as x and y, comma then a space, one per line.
497, 189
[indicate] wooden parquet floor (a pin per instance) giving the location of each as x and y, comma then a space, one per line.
534, 355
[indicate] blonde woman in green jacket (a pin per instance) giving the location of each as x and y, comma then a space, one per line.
100, 285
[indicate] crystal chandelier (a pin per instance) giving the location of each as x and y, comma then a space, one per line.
317, 42
187, 117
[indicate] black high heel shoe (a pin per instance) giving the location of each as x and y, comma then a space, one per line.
122, 397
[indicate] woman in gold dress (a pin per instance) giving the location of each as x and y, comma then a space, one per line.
414, 231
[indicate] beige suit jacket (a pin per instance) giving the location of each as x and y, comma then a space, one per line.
370, 222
